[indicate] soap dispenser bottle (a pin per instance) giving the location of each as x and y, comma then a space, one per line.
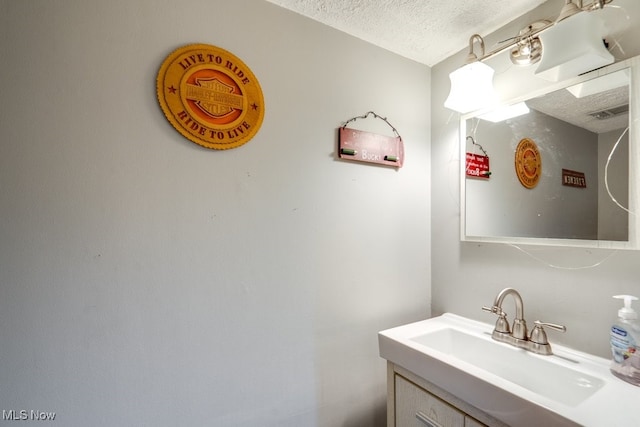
625, 343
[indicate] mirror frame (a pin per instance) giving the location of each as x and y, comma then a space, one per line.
633, 241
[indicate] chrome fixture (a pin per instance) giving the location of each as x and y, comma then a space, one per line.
517, 336
528, 48
569, 9
569, 46
472, 84
573, 46
471, 56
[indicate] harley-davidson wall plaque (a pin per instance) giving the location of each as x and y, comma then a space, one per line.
528, 163
210, 96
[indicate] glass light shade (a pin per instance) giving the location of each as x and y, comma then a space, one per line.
573, 46
506, 112
471, 88
601, 84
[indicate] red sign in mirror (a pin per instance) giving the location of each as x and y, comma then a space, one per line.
477, 166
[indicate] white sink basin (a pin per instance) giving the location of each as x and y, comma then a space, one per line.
515, 386
536, 373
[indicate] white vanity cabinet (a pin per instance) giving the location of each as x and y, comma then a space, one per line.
449, 369
416, 407
414, 402
471, 422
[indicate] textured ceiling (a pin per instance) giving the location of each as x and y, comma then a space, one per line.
427, 31
579, 111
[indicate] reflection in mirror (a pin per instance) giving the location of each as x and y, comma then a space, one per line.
563, 195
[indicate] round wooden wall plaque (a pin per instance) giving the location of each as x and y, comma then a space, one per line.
210, 96
528, 163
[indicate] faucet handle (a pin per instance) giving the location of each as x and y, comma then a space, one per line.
538, 334
560, 328
494, 309
502, 325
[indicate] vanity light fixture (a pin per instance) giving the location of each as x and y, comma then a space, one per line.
569, 9
528, 48
573, 46
472, 84
570, 46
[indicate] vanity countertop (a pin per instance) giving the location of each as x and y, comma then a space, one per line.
594, 397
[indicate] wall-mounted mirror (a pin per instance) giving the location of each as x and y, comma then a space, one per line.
539, 177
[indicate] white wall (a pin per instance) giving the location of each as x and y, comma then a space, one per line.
145, 280
561, 285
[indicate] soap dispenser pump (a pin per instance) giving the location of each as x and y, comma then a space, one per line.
627, 312
625, 343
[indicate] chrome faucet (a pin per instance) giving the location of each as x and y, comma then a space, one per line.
517, 336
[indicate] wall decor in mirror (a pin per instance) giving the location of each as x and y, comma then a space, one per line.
583, 130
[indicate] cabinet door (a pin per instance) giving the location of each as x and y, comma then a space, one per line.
417, 408
472, 422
